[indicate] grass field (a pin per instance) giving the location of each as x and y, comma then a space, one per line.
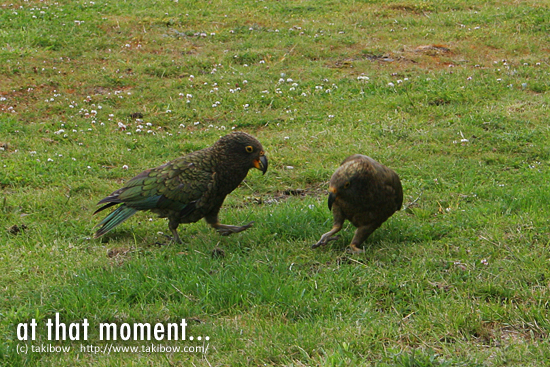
452, 95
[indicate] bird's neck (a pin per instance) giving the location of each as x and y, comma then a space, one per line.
230, 174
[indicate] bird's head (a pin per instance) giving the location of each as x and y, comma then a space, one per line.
344, 183
245, 149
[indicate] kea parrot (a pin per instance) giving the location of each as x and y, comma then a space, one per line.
364, 192
190, 187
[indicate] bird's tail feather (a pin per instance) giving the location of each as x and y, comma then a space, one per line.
118, 216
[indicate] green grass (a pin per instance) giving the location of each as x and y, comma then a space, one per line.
453, 95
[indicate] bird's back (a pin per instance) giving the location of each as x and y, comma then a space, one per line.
381, 192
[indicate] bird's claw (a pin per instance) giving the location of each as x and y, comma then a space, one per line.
353, 249
173, 239
324, 241
226, 230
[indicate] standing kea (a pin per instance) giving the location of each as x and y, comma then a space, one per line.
190, 187
364, 192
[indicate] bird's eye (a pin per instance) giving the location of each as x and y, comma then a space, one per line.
249, 149
346, 185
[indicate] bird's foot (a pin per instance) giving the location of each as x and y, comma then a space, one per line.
353, 249
173, 239
226, 229
324, 240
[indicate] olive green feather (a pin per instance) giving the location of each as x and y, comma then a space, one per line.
188, 188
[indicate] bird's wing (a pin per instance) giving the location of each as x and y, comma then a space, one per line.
178, 185
388, 182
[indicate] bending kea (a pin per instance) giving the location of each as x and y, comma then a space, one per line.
190, 187
364, 192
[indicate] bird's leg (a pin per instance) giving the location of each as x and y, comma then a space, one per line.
339, 219
361, 234
173, 226
327, 237
225, 229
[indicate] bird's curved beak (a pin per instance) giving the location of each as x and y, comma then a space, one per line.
331, 197
261, 163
